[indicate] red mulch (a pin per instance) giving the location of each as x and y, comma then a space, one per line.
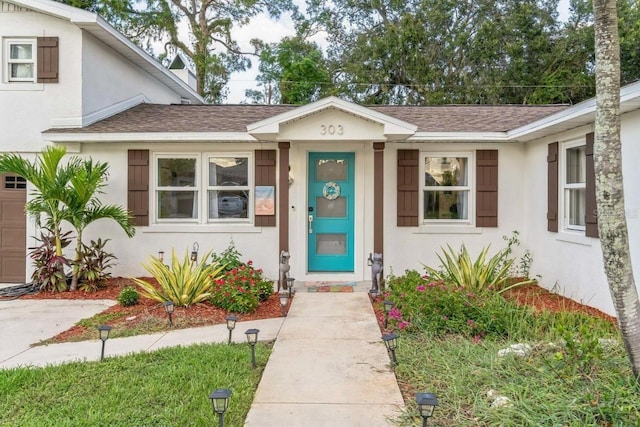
202, 314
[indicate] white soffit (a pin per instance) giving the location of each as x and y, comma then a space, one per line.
150, 137
393, 129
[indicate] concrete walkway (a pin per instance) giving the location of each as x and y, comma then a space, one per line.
328, 367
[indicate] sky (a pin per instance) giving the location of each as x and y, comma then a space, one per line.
270, 31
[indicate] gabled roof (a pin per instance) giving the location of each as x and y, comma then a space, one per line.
237, 122
393, 128
103, 31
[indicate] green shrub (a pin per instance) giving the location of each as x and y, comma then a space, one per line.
241, 289
128, 296
441, 308
475, 276
184, 283
229, 258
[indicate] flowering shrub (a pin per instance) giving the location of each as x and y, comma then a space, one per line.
240, 289
441, 308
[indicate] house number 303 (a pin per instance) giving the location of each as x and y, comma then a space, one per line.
331, 130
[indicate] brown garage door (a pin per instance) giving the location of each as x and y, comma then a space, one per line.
13, 232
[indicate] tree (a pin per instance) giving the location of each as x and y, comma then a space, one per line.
84, 207
612, 225
66, 193
292, 71
50, 178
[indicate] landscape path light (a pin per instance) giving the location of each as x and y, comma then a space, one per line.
194, 252
252, 338
161, 256
391, 342
387, 305
104, 331
427, 403
220, 401
284, 299
169, 307
231, 324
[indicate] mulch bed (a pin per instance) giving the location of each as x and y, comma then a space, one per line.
202, 314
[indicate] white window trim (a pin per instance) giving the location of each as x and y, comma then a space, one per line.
250, 187
202, 188
566, 227
471, 171
7, 61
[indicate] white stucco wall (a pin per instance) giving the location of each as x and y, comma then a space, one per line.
259, 244
411, 247
26, 109
567, 261
109, 78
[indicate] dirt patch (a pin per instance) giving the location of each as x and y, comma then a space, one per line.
148, 314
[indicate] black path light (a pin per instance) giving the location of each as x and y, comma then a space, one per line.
427, 403
284, 299
161, 256
231, 323
104, 331
391, 342
220, 401
252, 338
194, 252
169, 306
388, 306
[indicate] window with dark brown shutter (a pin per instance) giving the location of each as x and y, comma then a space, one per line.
591, 214
408, 175
138, 186
265, 171
486, 188
552, 187
48, 59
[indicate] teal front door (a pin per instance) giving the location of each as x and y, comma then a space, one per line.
330, 212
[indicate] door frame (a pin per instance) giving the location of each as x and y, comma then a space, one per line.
298, 215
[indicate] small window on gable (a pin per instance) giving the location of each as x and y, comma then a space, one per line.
446, 187
20, 57
574, 186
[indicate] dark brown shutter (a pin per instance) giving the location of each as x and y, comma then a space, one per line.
487, 188
408, 176
552, 187
265, 174
138, 186
48, 59
591, 210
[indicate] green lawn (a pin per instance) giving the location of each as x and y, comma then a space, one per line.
169, 387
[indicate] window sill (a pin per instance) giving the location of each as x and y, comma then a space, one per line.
448, 229
21, 86
577, 238
201, 228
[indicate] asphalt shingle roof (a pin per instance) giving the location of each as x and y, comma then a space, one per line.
235, 118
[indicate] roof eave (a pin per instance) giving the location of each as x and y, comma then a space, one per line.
183, 137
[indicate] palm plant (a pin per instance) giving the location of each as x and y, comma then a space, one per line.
83, 207
50, 179
66, 192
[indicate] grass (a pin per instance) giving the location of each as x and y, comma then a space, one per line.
555, 385
169, 387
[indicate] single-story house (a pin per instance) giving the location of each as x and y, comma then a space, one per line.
329, 182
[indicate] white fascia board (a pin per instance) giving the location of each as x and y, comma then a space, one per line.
392, 126
150, 137
459, 137
628, 94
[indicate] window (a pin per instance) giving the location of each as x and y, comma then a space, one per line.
21, 60
574, 184
446, 187
181, 195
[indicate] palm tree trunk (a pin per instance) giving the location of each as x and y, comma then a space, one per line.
612, 225
76, 264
